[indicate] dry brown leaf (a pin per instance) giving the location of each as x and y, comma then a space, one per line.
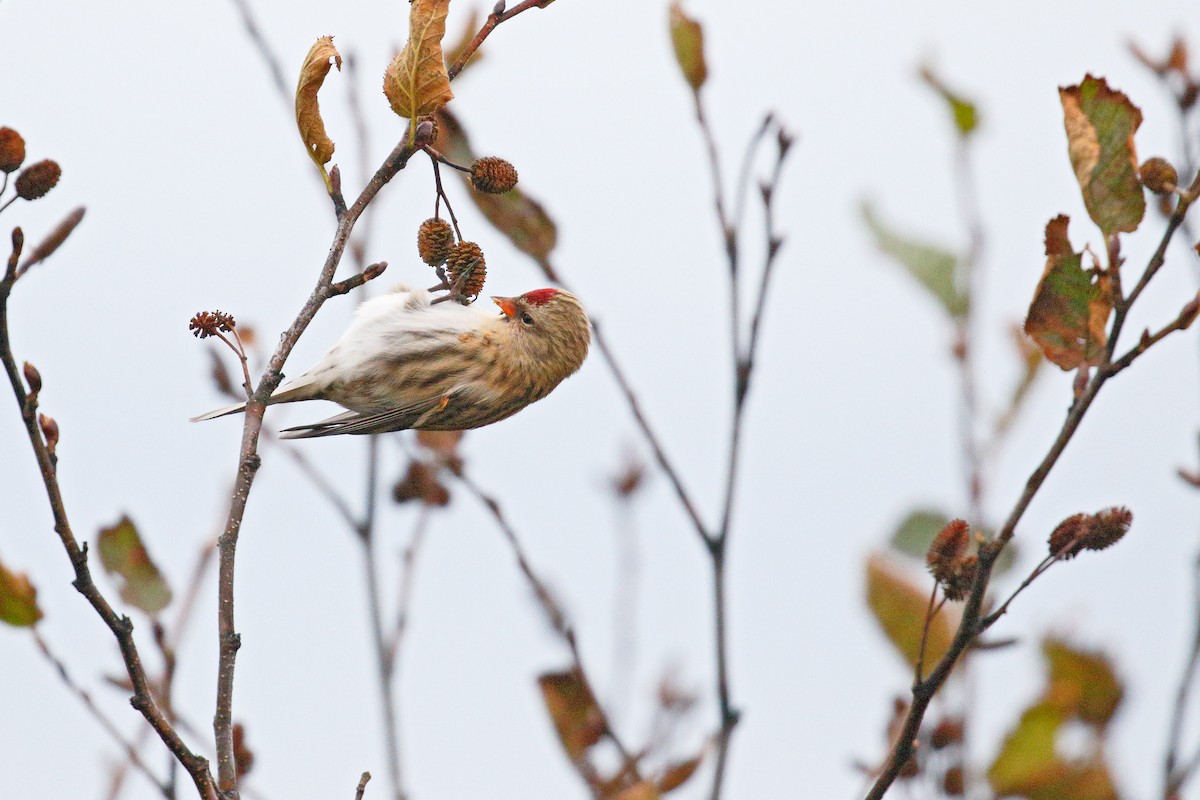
1100, 123
515, 214
415, 82
18, 599
642, 790
675, 775
574, 710
1068, 317
320, 58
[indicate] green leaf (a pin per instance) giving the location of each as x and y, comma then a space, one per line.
1082, 683
1027, 759
935, 268
1068, 317
687, 37
1100, 124
122, 553
914, 535
515, 214
18, 599
899, 605
966, 118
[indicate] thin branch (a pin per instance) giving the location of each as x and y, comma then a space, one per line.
497, 16
660, 455
249, 460
354, 281
743, 369
969, 627
968, 201
408, 573
264, 50
1186, 317
362, 786
121, 626
319, 481
554, 614
1173, 776
383, 665
742, 191
126, 746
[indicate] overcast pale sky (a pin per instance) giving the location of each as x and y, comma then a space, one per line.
200, 196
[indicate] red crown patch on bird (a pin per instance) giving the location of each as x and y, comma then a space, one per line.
539, 297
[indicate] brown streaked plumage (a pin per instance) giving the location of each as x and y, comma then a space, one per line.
405, 363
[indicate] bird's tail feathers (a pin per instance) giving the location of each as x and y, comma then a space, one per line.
300, 389
223, 411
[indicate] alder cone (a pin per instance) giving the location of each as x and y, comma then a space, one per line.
466, 264
37, 179
493, 175
435, 240
12, 150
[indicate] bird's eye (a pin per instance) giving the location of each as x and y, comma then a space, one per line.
528, 320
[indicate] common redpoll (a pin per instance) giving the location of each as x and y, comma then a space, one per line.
405, 362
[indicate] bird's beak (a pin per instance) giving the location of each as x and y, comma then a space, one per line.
507, 304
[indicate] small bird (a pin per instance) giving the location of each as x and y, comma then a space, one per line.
406, 362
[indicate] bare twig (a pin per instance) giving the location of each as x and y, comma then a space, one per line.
497, 16
554, 614
383, 665
268, 56
127, 747
970, 625
635, 407
1173, 776
408, 573
249, 460
968, 201
354, 281
362, 786
743, 357
121, 626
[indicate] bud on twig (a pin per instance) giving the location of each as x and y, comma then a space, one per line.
54, 239
12, 150
33, 378
49, 432
1158, 175
426, 132
37, 179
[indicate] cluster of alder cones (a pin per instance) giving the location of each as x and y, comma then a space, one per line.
459, 263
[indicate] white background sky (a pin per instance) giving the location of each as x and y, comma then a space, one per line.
199, 195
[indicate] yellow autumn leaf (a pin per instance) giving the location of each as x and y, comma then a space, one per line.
415, 82
573, 709
899, 605
687, 37
320, 58
18, 599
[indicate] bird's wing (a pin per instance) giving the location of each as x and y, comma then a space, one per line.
355, 422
